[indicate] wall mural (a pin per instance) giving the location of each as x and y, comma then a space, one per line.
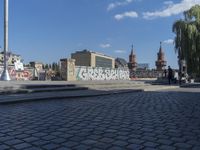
88, 73
26, 74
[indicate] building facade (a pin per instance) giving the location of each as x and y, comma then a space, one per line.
143, 66
12, 58
160, 63
121, 63
92, 59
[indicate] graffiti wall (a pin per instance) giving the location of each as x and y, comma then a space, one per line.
26, 74
146, 74
88, 73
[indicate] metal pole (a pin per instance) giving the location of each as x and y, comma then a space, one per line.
5, 75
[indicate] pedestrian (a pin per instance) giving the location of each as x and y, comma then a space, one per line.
165, 73
170, 73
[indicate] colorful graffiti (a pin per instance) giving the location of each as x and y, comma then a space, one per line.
88, 73
26, 74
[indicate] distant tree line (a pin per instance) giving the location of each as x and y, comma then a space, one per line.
54, 66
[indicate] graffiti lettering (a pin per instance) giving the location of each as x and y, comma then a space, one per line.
88, 73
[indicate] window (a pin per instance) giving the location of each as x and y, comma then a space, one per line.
103, 62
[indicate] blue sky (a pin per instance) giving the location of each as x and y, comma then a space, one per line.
47, 30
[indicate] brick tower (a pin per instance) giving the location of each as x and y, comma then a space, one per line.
132, 65
160, 63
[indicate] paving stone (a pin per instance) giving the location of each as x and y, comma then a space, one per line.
33, 148
89, 142
94, 137
175, 139
58, 140
121, 137
13, 142
49, 137
148, 138
63, 148
82, 147
194, 142
150, 148
135, 147
145, 120
40, 134
120, 143
164, 141
136, 141
167, 147
77, 138
106, 140
102, 145
51, 146
6, 138
40, 142
30, 139
70, 144
22, 146
150, 144
183, 145
4, 147
196, 148
115, 148
22, 136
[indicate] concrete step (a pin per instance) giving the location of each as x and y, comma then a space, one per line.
29, 97
191, 85
36, 87
40, 88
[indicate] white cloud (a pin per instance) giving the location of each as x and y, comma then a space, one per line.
169, 41
120, 51
130, 14
168, 2
171, 9
107, 45
111, 6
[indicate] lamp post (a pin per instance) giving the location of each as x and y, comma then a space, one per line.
5, 75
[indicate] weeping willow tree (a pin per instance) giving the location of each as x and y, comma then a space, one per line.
187, 40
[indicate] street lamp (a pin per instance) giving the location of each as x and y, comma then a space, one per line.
5, 75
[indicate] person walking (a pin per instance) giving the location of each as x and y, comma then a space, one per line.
170, 73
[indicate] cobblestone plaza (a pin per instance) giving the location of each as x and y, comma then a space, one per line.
144, 120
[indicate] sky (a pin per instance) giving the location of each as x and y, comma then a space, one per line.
48, 30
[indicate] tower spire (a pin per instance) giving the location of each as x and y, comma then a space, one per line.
132, 60
132, 49
160, 63
160, 47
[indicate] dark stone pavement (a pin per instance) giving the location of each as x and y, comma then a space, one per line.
144, 120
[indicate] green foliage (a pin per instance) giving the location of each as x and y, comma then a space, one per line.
187, 40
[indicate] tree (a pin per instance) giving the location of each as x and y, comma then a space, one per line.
187, 40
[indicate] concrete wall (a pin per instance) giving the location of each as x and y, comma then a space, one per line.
89, 73
68, 69
26, 74
146, 74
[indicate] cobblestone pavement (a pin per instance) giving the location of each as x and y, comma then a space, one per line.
145, 120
